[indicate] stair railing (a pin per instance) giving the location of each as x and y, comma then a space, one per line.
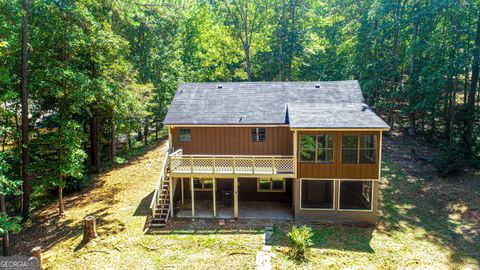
160, 182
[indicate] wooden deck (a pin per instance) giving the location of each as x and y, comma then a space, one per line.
238, 165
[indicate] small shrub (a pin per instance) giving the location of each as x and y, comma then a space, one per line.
448, 159
73, 184
300, 240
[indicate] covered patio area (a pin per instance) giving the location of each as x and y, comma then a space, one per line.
244, 198
247, 210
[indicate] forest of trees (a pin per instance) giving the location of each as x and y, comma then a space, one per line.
77, 75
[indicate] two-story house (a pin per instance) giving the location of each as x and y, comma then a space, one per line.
299, 150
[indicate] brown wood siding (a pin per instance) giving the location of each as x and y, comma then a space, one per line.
338, 170
234, 141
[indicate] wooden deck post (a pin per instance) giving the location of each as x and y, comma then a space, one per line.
193, 197
182, 189
235, 197
214, 190
171, 194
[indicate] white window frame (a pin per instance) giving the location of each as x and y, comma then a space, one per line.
257, 134
316, 149
372, 194
334, 206
180, 134
360, 148
271, 179
202, 180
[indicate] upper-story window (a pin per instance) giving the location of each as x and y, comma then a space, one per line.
185, 135
316, 149
359, 149
258, 134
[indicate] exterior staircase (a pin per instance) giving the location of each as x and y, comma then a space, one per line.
160, 205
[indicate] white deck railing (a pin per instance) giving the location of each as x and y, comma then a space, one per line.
231, 164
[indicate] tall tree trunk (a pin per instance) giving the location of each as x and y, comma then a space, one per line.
293, 40
85, 143
4, 139
247, 60
61, 208
247, 43
129, 140
413, 77
6, 239
145, 132
470, 106
113, 142
26, 186
95, 141
282, 40
140, 135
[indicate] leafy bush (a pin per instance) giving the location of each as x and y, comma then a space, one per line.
300, 240
448, 159
77, 183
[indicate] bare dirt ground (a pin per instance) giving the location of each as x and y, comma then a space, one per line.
426, 222
119, 201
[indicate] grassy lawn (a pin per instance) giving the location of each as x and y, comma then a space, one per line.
424, 223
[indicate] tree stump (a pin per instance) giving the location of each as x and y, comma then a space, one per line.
37, 253
89, 230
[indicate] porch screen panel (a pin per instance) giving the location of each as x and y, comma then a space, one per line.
356, 195
317, 194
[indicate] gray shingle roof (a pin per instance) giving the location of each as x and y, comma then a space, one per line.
336, 104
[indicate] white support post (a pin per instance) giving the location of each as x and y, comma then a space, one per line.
213, 164
170, 185
183, 192
169, 139
295, 143
193, 197
235, 197
191, 164
214, 191
380, 156
273, 165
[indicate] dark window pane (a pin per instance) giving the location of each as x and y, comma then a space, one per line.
321, 155
307, 148
367, 155
349, 155
329, 141
261, 134
324, 153
264, 184
185, 135
350, 142
325, 141
258, 134
356, 195
207, 183
329, 155
277, 184
317, 194
321, 140
197, 184
368, 141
